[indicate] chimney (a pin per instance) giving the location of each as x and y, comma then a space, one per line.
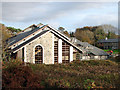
106, 38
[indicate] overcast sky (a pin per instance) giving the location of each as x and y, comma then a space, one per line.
70, 15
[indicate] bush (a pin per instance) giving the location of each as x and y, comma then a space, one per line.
15, 75
78, 74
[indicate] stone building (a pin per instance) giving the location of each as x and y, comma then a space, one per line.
108, 43
43, 44
90, 52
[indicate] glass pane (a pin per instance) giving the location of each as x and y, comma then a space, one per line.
38, 54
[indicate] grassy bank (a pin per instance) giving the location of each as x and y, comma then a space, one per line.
114, 51
79, 74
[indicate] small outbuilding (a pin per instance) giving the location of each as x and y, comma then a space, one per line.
90, 52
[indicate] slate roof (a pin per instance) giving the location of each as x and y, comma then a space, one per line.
90, 48
97, 51
41, 33
21, 36
108, 40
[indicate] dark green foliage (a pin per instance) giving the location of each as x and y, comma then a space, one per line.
78, 74
72, 34
61, 29
12, 29
116, 59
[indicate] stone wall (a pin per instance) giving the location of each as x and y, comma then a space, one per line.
94, 58
47, 43
19, 54
110, 45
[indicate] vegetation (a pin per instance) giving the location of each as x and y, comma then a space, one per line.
61, 29
78, 74
12, 29
84, 35
7, 32
93, 34
66, 33
114, 51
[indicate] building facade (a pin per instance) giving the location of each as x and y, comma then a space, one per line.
90, 52
108, 43
43, 44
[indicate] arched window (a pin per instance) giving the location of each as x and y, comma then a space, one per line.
38, 54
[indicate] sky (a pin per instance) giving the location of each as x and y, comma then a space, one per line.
70, 15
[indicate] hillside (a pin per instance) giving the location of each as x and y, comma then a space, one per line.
93, 34
79, 74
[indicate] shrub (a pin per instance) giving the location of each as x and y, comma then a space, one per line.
15, 75
13, 63
78, 74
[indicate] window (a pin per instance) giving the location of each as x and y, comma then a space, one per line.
55, 51
77, 56
38, 54
74, 56
65, 52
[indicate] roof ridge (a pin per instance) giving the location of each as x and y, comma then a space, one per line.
29, 34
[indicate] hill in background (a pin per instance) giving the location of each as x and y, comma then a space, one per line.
95, 33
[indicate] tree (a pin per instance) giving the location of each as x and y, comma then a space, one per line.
5, 34
108, 28
72, 34
61, 29
84, 35
99, 33
66, 33
12, 29
109, 34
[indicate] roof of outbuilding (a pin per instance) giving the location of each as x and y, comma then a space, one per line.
97, 51
108, 40
90, 48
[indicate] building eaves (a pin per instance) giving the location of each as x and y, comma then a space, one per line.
85, 46
108, 40
31, 39
21, 36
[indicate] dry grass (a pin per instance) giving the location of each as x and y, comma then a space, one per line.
79, 74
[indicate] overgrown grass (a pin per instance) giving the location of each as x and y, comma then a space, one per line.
114, 51
78, 74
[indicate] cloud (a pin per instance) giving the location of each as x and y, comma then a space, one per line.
25, 12
67, 14
60, 1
